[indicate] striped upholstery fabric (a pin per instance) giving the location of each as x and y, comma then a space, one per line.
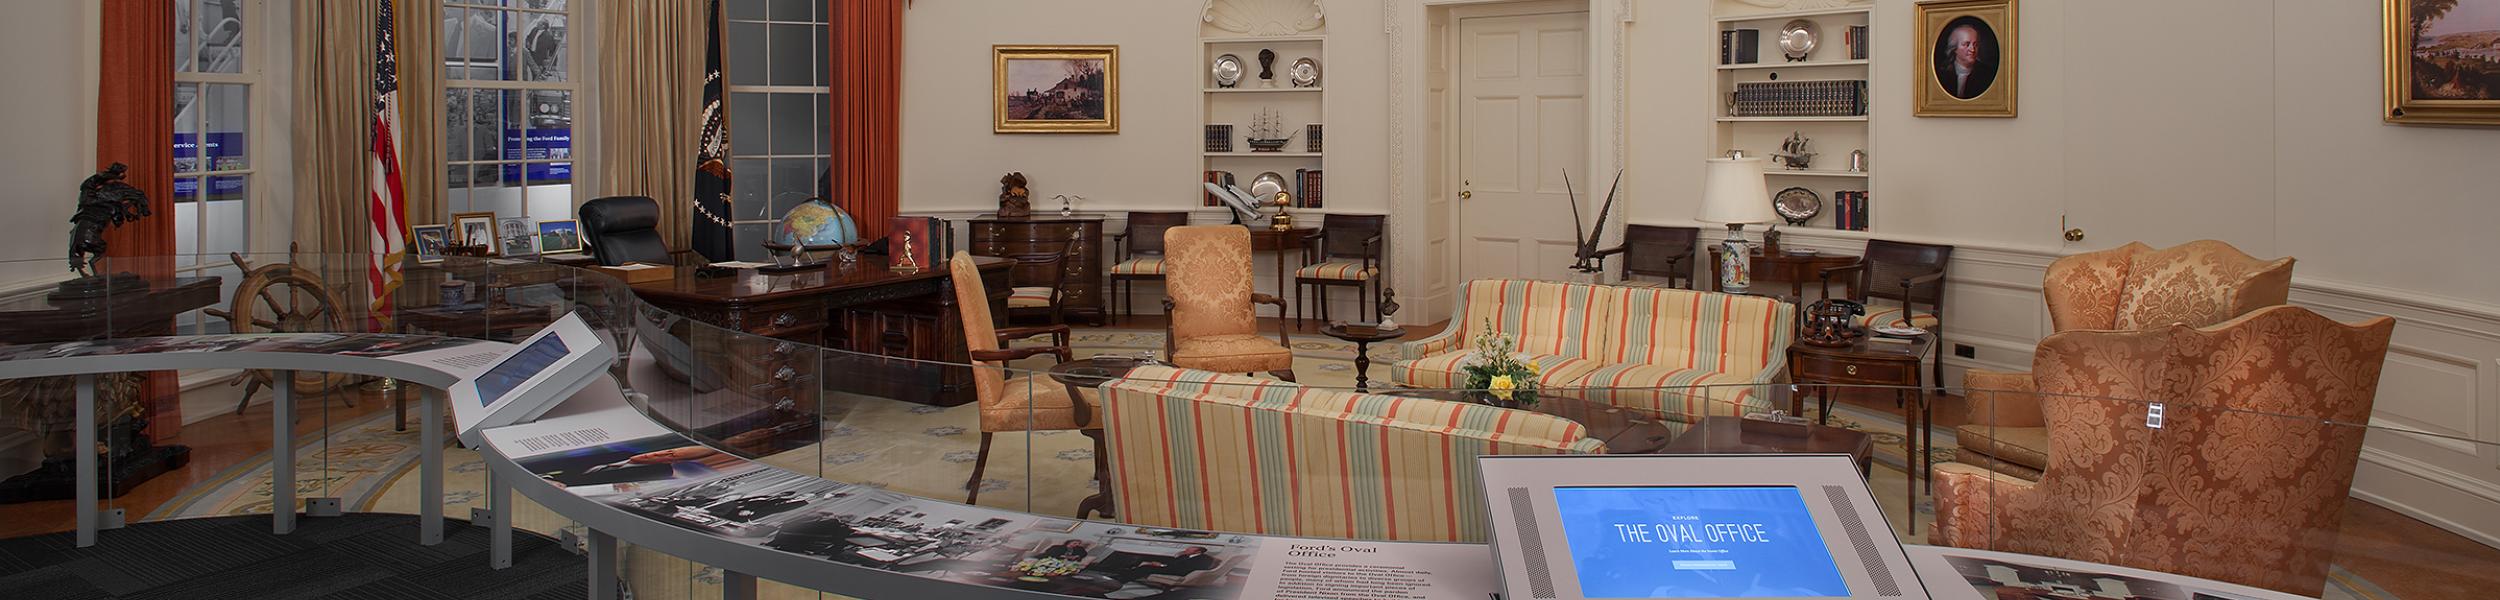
1880, 312
1138, 266
1337, 271
1201, 450
1588, 336
1029, 297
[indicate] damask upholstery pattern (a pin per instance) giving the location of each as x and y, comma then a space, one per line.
2244, 482
1020, 404
1201, 450
1621, 345
2125, 288
1214, 326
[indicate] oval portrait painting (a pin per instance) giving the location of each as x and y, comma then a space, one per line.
1966, 57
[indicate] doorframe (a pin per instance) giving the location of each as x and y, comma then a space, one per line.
1416, 177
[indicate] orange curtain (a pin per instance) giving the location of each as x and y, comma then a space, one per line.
135, 127
866, 43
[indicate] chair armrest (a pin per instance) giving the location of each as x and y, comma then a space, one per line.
1827, 274
1008, 354
1119, 245
1266, 298
1284, 333
1968, 499
1444, 341
1607, 252
1170, 344
1923, 279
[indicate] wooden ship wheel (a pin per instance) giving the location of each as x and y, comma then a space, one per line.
283, 298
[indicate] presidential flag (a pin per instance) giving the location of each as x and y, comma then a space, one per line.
389, 205
712, 205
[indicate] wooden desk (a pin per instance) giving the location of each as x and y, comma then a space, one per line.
1795, 269
867, 309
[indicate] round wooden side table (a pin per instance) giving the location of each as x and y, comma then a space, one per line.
1363, 339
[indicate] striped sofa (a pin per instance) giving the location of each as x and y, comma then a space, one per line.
1679, 352
1201, 450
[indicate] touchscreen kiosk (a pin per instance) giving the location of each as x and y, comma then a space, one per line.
533, 376
1691, 527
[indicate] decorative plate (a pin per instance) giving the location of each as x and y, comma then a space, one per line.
1305, 72
1263, 189
1897, 331
1797, 39
1797, 205
1227, 70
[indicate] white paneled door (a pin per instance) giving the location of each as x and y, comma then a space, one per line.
1522, 122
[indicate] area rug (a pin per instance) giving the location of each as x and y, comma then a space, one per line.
353, 462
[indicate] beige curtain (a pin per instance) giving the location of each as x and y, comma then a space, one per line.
420, 27
650, 94
333, 91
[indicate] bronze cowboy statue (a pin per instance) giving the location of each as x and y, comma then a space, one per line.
104, 201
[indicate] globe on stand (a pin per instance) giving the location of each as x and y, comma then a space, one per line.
815, 225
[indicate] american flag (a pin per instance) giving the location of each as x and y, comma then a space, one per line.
389, 203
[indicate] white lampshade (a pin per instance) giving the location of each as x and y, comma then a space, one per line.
1733, 192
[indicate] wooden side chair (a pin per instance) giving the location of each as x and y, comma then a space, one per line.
1029, 403
1140, 255
1654, 251
1040, 278
1213, 322
1892, 280
1345, 252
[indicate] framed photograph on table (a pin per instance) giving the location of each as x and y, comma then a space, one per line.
517, 235
1969, 53
2443, 62
1055, 89
476, 229
559, 237
427, 242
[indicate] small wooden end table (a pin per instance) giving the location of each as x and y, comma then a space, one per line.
1363, 339
1796, 269
1088, 374
1868, 361
1728, 435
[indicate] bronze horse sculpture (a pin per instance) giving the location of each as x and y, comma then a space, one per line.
104, 201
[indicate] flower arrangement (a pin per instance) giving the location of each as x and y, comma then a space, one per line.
1498, 370
1046, 567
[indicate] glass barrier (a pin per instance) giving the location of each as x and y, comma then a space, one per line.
906, 454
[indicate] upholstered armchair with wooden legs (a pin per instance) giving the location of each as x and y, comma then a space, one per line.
1030, 403
2129, 287
1213, 320
2245, 478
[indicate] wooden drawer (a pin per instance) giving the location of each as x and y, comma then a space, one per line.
1809, 368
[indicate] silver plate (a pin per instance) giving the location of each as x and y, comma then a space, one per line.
1797, 204
1305, 72
1265, 186
1227, 70
1797, 39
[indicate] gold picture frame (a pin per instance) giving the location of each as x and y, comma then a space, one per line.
1968, 59
465, 227
1055, 89
2476, 95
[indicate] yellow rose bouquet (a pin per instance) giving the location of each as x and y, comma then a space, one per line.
1496, 368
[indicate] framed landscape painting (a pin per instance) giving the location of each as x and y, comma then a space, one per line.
1055, 89
2443, 61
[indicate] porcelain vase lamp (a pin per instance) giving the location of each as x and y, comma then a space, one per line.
1733, 193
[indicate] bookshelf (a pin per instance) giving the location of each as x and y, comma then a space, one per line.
1830, 138
1250, 100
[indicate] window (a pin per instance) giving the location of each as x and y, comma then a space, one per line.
774, 57
508, 107
217, 68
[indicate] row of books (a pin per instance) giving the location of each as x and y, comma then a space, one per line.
1309, 189
1827, 98
1740, 46
1849, 210
1855, 38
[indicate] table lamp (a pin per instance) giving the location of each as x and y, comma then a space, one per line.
1733, 193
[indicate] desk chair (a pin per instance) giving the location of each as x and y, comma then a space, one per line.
1345, 252
1654, 251
1140, 254
624, 229
1213, 316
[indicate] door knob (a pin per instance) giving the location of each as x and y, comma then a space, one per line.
2074, 235
1463, 192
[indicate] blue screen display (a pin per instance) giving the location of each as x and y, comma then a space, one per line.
1696, 542
519, 367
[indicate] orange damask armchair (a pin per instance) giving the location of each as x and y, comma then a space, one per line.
2245, 479
1028, 403
2130, 287
1213, 318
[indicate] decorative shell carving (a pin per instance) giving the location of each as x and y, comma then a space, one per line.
1265, 17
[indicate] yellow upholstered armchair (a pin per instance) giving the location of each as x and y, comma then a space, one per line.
2243, 481
2125, 288
1030, 403
1213, 320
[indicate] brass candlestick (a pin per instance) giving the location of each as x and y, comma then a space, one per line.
1283, 221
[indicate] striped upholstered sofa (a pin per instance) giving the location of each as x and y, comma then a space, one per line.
1202, 450
1634, 347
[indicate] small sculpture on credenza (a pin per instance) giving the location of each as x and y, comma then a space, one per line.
1388, 309
105, 201
1793, 154
1014, 200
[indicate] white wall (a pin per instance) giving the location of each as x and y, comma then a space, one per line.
51, 124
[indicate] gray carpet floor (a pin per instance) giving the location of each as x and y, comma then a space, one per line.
358, 557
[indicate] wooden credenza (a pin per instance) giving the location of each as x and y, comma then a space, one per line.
1082, 291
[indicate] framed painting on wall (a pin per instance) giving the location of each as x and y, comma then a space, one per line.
1055, 89
2443, 62
1969, 48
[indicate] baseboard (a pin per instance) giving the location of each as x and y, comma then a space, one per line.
2424, 484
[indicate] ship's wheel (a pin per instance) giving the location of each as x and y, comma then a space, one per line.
283, 298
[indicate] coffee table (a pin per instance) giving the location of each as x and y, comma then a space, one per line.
1729, 435
1363, 339
1625, 431
1087, 374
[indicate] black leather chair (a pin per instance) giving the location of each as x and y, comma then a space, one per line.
624, 229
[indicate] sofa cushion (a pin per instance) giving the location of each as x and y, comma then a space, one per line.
1336, 271
1029, 297
1545, 317
1880, 313
1672, 390
1685, 329
1231, 354
2026, 447
1139, 266
1441, 371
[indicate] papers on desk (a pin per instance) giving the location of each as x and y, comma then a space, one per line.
740, 264
636, 266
